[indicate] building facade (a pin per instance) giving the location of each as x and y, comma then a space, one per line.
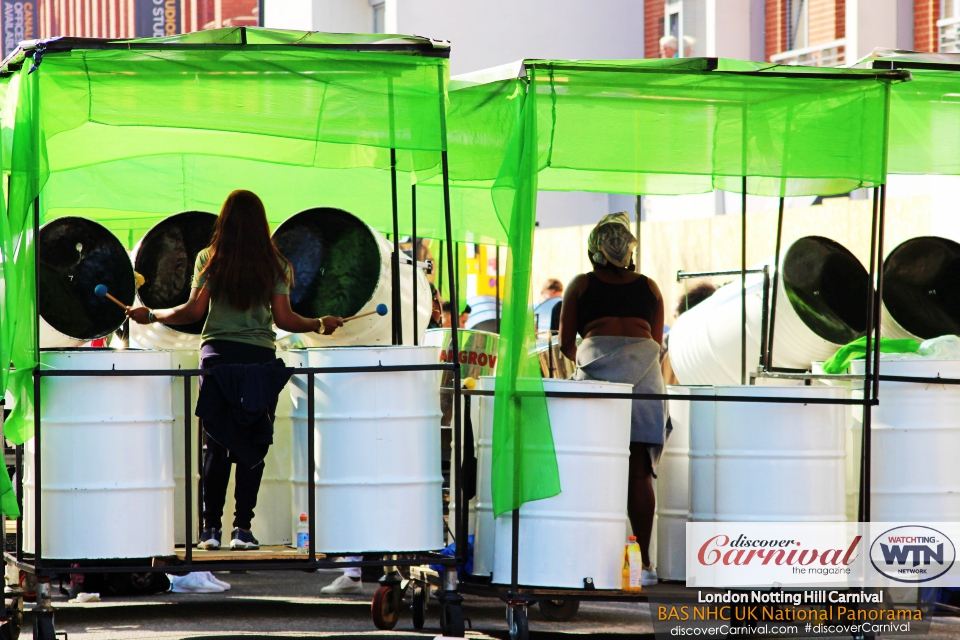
809, 32
31, 19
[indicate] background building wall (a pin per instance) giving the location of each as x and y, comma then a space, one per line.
652, 28
925, 16
495, 32
713, 243
336, 16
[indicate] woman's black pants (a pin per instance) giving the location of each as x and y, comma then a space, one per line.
217, 460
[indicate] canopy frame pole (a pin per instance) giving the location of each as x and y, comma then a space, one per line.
415, 254
743, 283
463, 510
188, 480
37, 410
395, 258
311, 467
395, 311
863, 511
867, 444
768, 364
496, 296
639, 218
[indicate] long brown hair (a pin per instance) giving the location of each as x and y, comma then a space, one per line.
244, 263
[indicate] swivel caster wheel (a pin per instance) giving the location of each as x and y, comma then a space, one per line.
10, 630
43, 628
517, 620
451, 621
385, 609
420, 598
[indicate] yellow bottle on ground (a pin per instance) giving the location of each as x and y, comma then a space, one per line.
632, 565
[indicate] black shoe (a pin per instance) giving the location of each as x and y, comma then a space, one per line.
241, 540
210, 539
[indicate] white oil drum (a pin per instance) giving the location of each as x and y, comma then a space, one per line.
107, 448
853, 437
703, 463
673, 491
297, 392
472, 503
779, 462
915, 439
342, 267
77, 255
185, 360
273, 514
580, 533
166, 257
484, 532
477, 357
821, 305
377, 451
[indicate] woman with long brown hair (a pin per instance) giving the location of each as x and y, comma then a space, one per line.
243, 283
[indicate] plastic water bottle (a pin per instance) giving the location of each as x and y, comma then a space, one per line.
632, 565
303, 535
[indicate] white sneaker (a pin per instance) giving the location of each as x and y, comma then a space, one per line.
648, 577
212, 579
343, 585
193, 583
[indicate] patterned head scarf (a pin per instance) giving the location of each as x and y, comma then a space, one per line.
611, 241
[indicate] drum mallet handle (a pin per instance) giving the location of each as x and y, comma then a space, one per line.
101, 291
380, 310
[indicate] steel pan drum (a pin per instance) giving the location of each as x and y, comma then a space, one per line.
76, 255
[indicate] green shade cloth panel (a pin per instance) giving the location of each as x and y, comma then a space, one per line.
924, 134
857, 350
640, 127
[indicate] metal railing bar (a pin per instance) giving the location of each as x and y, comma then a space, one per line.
686, 275
666, 396
66, 566
131, 373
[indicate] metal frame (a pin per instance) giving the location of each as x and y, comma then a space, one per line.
516, 596
34, 563
44, 569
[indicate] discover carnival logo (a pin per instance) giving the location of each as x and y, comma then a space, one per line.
912, 553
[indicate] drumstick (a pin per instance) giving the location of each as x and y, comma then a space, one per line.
101, 291
380, 310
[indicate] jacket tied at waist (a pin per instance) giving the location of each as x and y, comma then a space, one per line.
238, 403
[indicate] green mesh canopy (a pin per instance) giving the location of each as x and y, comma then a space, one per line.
639, 127
924, 134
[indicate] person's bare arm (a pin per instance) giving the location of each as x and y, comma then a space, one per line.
190, 311
656, 327
568, 317
288, 320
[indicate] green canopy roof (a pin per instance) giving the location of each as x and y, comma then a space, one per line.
924, 133
132, 131
641, 127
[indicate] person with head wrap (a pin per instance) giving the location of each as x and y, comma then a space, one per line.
619, 314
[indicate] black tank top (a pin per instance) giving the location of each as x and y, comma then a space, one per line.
606, 300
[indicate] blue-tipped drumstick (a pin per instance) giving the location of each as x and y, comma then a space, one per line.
101, 291
381, 310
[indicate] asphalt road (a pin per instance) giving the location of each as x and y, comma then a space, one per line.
289, 604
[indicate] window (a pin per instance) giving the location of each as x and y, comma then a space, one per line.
797, 21
379, 22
